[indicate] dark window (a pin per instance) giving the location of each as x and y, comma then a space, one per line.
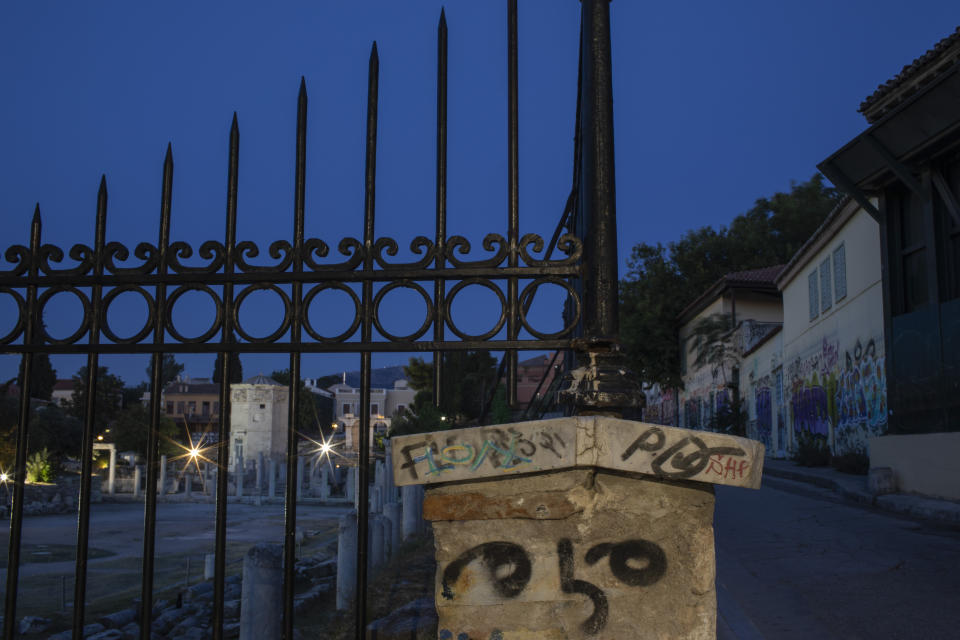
170, 408
814, 295
375, 409
826, 293
181, 408
263, 406
908, 252
192, 406
840, 272
346, 408
205, 408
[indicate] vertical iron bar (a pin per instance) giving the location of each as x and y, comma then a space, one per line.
20, 466
597, 223
513, 188
439, 286
360, 610
86, 452
293, 488
159, 329
226, 371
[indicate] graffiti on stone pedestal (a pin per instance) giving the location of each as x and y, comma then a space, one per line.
531, 447
508, 569
504, 449
686, 457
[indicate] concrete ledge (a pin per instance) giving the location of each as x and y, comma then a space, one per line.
597, 442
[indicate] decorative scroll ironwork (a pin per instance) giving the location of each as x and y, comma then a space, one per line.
458, 272
512, 267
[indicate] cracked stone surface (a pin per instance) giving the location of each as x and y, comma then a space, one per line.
574, 554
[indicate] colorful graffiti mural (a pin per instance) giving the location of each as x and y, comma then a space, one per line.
661, 406
764, 423
840, 396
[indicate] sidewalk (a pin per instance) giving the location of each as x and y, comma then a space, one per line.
852, 488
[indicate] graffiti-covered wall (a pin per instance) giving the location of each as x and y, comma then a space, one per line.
761, 381
840, 392
661, 406
833, 365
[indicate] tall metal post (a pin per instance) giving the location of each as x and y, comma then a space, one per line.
601, 384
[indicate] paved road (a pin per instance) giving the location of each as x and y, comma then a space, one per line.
807, 566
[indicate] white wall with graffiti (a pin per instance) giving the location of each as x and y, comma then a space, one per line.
711, 390
761, 389
833, 353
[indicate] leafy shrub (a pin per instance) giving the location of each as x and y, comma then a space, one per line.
812, 450
39, 468
855, 461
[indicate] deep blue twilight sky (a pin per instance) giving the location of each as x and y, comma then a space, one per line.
716, 104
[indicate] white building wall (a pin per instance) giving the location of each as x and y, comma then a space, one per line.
834, 377
761, 387
707, 388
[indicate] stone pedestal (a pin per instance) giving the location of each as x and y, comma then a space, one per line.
587, 527
574, 554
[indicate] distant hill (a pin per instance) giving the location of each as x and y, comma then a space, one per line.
382, 378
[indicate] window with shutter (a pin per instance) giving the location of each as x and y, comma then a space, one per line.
840, 272
826, 291
814, 295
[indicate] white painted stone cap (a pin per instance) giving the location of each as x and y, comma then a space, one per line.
495, 451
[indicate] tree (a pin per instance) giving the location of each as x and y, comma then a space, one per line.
131, 429
466, 377
662, 280
42, 377
169, 370
108, 402
712, 343
236, 368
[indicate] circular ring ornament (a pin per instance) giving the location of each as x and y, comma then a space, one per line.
483, 282
526, 296
21, 315
147, 327
308, 300
427, 320
84, 325
284, 325
217, 321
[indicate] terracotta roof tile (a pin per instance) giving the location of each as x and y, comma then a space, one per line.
922, 70
759, 276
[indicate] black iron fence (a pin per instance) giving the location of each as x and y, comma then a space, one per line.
512, 268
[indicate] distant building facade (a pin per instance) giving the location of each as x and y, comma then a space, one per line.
258, 420
192, 401
384, 405
751, 301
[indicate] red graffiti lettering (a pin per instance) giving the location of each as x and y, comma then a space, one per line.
716, 465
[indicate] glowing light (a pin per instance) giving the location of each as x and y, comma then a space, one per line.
99, 437
324, 447
4, 477
194, 452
